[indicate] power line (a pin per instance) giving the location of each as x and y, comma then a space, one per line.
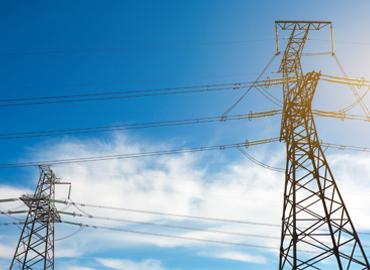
345, 80
346, 147
341, 115
145, 125
141, 211
93, 96
342, 41
139, 154
351, 82
358, 98
259, 163
169, 152
250, 87
9, 200
221, 242
190, 228
11, 223
317, 53
171, 123
270, 97
168, 235
69, 235
150, 212
99, 96
166, 214
96, 96
10, 212
124, 49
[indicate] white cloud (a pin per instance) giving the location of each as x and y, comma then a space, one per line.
6, 251
237, 256
178, 184
7, 191
121, 264
75, 267
185, 184
352, 173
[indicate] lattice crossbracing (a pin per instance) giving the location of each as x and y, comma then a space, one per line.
315, 217
291, 62
35, 249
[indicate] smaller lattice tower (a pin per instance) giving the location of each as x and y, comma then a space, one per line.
35, 249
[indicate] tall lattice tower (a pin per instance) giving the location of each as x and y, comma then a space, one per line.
317, 231
35, 249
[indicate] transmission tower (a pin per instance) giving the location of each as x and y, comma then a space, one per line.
317, 231
35, 249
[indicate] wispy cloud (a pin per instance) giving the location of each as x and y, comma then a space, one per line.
236, 256
184, 184
7, 191
75, 267
122, 264
6, 251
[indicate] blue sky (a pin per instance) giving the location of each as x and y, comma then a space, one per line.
60, 48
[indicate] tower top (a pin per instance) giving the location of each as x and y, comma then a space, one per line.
301, 25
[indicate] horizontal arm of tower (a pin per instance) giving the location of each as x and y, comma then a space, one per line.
298, 36
302, 25
346, 80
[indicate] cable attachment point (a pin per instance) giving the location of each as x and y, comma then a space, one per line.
237, 86
250, 115
246, 143
223, 118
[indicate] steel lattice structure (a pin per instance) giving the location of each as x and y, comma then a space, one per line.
35, 249
317, 231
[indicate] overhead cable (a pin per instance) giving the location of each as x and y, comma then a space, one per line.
128, 221
141, 211
189, 228
99, 96
170, 123
354, 90
269, 97
345, 80
145, 125
168, 152
259, 163
346, 147
250, 87
189, 238
168, 235
10, 212
11, 223
341, 115
137, 155
9, 200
